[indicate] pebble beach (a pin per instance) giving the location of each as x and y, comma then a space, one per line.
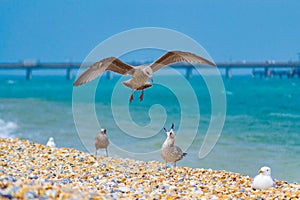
29, 170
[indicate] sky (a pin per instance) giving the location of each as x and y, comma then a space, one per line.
231, 30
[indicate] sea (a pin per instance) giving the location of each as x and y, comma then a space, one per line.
260, 125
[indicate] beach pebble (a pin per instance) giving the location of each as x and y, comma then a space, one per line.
40, 172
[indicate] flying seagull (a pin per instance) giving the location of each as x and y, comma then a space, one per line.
140, 74
263, 180
169, 151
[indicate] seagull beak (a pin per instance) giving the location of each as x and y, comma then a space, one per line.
260, 171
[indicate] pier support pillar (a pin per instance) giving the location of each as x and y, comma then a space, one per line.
267, 72
253, 73
69, 74
228, 73
28, 74
189, 73
292, 73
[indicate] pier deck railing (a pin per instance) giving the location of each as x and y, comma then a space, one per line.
262, 69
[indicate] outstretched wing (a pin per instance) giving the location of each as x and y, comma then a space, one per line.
178, 56
110, 63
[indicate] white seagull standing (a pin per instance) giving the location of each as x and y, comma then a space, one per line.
101, 141
263, 180
169, 151
140, 74
51, 143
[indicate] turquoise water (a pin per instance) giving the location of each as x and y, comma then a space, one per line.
262, 125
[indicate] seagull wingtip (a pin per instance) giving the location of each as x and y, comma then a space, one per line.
76, 83
212, 63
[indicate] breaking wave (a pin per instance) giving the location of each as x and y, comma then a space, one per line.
7, 128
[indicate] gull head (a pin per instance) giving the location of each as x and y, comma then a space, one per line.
103, 131
265, 171
170, 133
51, 139
148, 72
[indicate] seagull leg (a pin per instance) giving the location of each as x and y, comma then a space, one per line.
131, 98
142, 96
106, 152
96, 152
174, 164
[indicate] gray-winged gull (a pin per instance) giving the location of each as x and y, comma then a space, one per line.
169, 151
101, 141
263, 180
140, 74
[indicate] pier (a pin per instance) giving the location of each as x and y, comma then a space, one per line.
30, 66
259, 69
264, 69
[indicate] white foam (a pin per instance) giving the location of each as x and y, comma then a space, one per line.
285, 115
10, 82
227, 92
7, 128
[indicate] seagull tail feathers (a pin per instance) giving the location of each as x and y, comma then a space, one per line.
184, 154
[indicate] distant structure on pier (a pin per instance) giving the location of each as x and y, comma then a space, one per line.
264, 69
259, 69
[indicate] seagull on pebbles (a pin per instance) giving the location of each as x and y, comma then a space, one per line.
263, 180
51, 143
140, 74
169, 151
101, 141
